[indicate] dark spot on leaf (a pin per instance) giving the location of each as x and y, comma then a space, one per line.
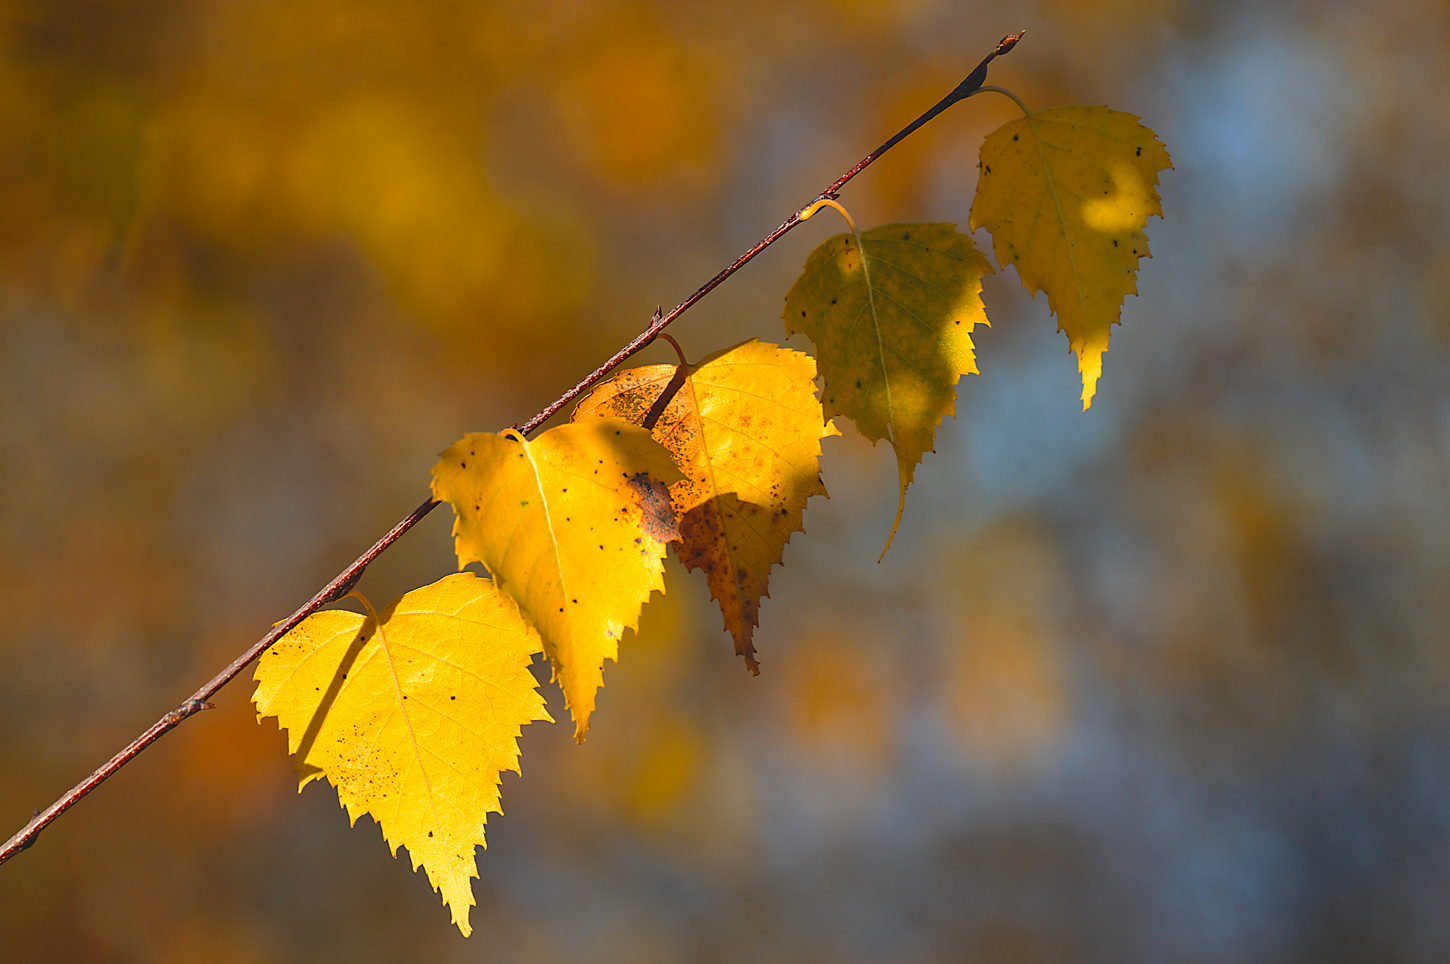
463, 465
1115, 242
988, 169
656, 510
1014, 137
1139, 153
803, 312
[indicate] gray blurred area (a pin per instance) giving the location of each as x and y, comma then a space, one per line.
1164, 682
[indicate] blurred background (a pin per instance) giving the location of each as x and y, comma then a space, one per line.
1168, 681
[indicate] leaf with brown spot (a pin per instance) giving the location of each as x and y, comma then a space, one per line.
744, 426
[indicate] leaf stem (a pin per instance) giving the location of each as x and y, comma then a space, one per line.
679, 352
1003, 90
345, 580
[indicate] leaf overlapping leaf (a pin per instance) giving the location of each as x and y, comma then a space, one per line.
412, 716
744, 426
559, 523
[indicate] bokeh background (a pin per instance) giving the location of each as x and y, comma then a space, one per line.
1168, 681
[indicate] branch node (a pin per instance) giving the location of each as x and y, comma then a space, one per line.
345, 587
35, 834
654, 319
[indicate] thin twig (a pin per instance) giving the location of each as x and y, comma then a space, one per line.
345, 580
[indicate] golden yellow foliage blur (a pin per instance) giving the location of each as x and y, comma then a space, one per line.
637, 105
840, 704
1006, 689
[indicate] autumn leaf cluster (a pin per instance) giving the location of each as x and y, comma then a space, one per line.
414, 711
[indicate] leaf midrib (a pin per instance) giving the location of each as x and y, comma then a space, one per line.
1061, 217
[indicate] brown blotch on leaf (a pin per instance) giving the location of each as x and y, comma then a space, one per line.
657, 512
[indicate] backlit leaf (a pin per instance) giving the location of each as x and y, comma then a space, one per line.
1066, 193
571, 527
745, 427
892, 331
412, 717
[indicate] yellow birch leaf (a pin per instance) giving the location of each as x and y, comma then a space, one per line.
745, 428
572, 528
892, 331
412, 716
1066, 193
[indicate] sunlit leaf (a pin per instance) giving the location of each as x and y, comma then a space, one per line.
572, 527
892, 331
412, 716
1066, 193
745, 427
